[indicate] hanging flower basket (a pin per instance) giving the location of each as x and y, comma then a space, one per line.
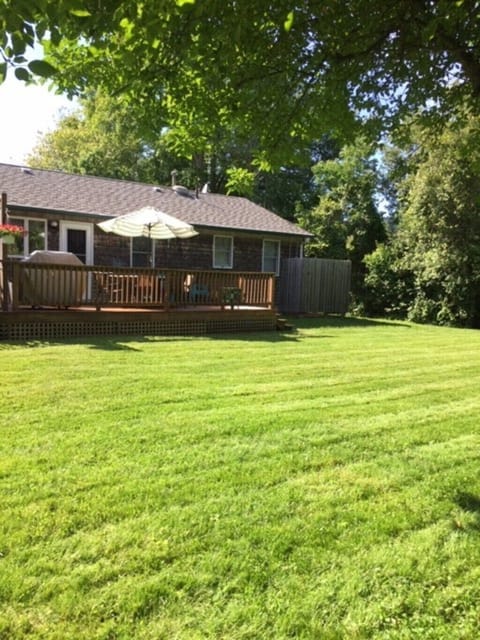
10, 232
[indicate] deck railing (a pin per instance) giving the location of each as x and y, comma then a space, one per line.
63, 286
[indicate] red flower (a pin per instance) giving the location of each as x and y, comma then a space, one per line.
11, 230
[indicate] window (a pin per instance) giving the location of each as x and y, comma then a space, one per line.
271, 256
36, 237
222, 252
142, 252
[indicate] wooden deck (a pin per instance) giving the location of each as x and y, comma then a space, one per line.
51, 324
49, 301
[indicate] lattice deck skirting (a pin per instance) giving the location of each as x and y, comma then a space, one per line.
70, 325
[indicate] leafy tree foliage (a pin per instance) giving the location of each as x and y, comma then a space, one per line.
346, 222
103, 137
293, 188
389, 287
100, 138
440, 226
272, 71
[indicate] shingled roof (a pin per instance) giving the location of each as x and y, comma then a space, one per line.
58, 192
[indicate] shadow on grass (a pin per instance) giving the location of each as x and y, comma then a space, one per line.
130, 343
264, 336
120, 343
126, 343
107, 343
468, 502
343, 322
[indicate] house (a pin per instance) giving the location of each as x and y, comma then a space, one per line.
223, 279
60, 211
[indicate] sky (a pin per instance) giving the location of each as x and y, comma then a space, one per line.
26, 112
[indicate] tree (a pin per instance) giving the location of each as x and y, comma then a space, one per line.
389, 282
102, 137
346, 223
439, 226
276, 72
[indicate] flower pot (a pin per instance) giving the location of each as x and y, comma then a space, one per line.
8, 239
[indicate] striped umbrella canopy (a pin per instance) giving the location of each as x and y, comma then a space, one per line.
150, 223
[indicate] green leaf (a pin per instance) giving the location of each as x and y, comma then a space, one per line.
41, 68
80, 13
287, 25
3, 71
55, 36
22, 74
240, 181
180, 3
18, 43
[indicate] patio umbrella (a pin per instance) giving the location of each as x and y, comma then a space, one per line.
150, 223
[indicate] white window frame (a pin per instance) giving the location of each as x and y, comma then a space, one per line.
277, 265
65, 225
25, 223
214, 256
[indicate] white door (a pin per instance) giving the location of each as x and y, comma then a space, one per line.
77, 238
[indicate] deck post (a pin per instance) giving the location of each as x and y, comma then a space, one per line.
4, 256
15, 284
271, 292
167, 291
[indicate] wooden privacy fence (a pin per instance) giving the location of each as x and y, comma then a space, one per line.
59, 285
314, 285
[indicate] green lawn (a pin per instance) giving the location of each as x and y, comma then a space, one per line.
321, 484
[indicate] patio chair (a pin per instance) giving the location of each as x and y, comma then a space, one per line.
198, 293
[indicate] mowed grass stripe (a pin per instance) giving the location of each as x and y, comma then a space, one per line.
322, 484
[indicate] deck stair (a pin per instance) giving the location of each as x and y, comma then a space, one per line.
282, 324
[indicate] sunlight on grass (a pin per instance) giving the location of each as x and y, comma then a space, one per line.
318, 484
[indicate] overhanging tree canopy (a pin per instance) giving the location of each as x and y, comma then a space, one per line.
273, 70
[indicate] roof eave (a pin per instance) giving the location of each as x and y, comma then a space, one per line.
300, 234
55, 212
303, 235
